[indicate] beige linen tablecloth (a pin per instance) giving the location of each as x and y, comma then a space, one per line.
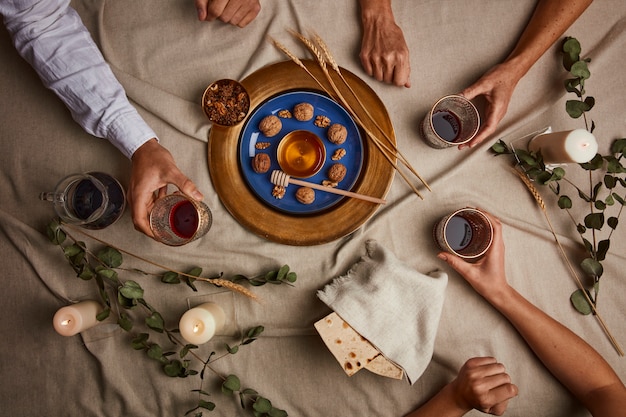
165, 59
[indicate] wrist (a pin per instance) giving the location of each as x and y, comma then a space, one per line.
375, 10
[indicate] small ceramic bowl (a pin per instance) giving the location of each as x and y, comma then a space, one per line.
226, 102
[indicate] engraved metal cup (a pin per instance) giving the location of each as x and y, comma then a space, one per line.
467, 233
176, 219
465, 122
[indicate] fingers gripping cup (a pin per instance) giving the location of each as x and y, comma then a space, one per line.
177, 219
452, 121
467, 233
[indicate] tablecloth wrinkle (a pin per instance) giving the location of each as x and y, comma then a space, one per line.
164, 58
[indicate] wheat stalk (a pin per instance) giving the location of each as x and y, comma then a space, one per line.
216, 281
542, 205
322, 63
333, 64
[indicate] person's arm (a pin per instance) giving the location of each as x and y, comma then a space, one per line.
549, 21
384, 52
236, 12
51, 37
570, 359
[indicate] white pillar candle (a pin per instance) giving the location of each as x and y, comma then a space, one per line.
75, 318
199, 324
576, 145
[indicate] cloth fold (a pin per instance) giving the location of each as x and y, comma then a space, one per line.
396, 308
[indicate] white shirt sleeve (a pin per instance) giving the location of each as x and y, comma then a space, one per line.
50, 35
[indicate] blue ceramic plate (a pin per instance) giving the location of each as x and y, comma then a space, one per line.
323, 106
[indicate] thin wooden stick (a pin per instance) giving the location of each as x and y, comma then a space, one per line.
282, 179
333, 64
579, 283
384, 150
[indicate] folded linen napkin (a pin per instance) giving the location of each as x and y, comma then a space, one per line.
394, 307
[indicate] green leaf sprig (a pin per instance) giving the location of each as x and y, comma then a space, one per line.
605, 198
126, 296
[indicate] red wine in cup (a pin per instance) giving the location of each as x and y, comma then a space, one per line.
184, 219
446, 125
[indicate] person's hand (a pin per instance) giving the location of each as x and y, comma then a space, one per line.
483, 384
236, 12
153, 168
497, 87
384, 52
487, 275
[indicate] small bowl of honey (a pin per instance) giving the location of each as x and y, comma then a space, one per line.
301, 154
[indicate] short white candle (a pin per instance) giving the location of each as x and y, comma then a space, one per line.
576, 145
199, 324
75, 318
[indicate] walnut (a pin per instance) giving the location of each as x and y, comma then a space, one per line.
305, 195
337, 133
329, 183
285, 114
278, 192
321, 121
303, 112
261, 163
270, 125
338, 154
262, 145
337, 172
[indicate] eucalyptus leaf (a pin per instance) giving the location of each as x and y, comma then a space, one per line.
110, 257
231, 384
619, 199
173, 368
571, 49
55, 233
277, 412
139, 342
580, 70
500, 147
612, 222
610, 181
580, 303
125, 322
207, 405
262, 405
565, 202
155, 352
594, 220
155, 322
576, 108
618, 146
603, 248
170, 277
104, 314
131, 289
592, 267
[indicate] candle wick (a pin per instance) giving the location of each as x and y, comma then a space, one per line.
196, 328
585, 145
66, 322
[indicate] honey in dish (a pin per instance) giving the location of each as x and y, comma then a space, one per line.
301, 154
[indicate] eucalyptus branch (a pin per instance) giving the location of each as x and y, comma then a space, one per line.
130, 294
602, 194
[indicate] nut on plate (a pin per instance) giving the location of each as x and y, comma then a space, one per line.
337, 172
270, 125
338, 154
321, 121
303, 112
261, 163
278, 192
337, 133
305, 195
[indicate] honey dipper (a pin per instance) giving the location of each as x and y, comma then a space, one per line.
280, 178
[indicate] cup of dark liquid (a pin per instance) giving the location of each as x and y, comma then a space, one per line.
93, 200
176, 219
452, 121
467, 233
